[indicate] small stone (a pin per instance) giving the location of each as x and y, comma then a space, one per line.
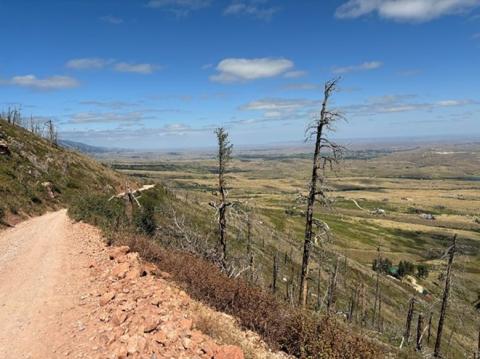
107, 297
116, 252
120, 270
151, 323
187, 343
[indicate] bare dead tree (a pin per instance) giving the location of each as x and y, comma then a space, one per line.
429, 331
319, 289
418, 346
408, 323
326, 153
332, 287
377, 288
446, 292
52, 134
353, 303
478, 344
224, 157
275, 272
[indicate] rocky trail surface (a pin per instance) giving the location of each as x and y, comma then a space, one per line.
64, 294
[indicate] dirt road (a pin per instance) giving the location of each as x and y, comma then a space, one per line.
43, 272
64, 294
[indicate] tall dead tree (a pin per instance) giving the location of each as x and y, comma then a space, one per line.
224, 157
408, 323
377, 288
52, 134
331, 298
429, 330
478, 344
446, 292
275, 272
326, 153
418, 345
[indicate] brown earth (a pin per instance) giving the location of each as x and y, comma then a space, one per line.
64, 294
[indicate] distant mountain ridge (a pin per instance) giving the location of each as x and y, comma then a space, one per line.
88, 149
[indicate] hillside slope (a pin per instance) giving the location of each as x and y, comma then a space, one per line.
36, 175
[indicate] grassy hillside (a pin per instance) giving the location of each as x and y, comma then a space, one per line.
36, 176
442, 181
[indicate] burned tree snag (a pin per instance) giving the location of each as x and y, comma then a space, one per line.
408, 323
332, 288
275, 273
325, 153
377, 288
224, 157
446, 292
429, 330
418, 345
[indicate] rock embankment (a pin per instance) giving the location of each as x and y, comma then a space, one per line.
141, 315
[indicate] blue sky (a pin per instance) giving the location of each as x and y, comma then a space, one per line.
165, 73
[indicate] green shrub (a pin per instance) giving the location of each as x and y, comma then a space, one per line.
144, 220
422, 271
405, 268
99, 210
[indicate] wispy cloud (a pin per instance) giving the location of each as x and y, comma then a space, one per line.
134, 117
366, 66
405, 10
87, 63
144, 69
109, 104
95, 63
278, 109
254, 8
401, 103
111, 19
179, 7
44, 84
238, 69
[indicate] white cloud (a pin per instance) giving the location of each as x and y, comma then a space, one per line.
405, 10
254, 8
48, 83
87, 63
108, 117
144, 69
237, 69
401, 103
179, 7
366, 66
114, 20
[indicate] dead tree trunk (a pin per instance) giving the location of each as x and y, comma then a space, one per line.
321, 143
332, 288
478, 344
319, 294
418, 346
429, 330
224, 156
446, 292
408, 323
377, 288
275, 273
353, 304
